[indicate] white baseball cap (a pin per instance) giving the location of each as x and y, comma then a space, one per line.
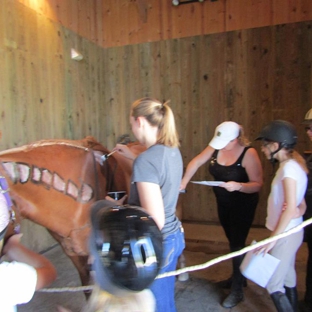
224, 133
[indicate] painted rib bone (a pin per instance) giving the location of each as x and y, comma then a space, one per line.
24, 173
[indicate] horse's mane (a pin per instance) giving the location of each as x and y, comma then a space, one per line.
87, 143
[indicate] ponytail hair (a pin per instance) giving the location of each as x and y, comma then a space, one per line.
158, 115
102, 301
242, 139
299, 159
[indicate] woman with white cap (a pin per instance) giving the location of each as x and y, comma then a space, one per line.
234, 162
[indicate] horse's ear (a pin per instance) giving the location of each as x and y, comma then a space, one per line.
89, 141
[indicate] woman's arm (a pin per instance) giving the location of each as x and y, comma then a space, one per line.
194, 164
125, 151
300, 210
253, 168
151, 200
290, 187
252, 164
15, 251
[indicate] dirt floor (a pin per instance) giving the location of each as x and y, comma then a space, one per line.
198, 293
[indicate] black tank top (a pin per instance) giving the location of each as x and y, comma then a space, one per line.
235, 172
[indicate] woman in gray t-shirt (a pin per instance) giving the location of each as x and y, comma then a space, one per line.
155, 183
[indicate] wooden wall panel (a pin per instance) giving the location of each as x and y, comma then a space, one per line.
42, 82
185, 20
291, 11
250, 76
111, 23
128, 22
248, 14
213, 17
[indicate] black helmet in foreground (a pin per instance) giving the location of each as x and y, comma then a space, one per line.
280, 131
126, 245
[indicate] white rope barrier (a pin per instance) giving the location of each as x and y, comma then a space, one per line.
67, 289
237, 253
204, 265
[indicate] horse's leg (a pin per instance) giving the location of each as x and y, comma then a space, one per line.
81, 264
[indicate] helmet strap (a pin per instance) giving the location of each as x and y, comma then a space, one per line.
272, 159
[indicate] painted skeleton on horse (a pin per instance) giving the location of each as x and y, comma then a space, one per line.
54, 183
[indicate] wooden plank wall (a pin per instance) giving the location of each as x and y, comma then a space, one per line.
250, 76
44, 93
111, 23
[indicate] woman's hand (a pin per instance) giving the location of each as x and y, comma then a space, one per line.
300, 210
265, 249
125, 151
231, 186
182, 186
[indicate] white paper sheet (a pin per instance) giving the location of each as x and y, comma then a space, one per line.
209, 183
259, 268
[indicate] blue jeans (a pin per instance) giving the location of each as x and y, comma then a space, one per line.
163, 288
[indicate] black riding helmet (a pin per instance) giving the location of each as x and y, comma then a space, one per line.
126, 245
280, 131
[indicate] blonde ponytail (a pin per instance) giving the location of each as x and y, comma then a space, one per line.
158, 115
299, 159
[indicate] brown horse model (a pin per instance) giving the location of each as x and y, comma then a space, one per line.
54, 183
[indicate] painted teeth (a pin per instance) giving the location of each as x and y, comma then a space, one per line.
10, 169
23, 173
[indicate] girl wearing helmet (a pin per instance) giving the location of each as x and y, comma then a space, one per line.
285, 208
